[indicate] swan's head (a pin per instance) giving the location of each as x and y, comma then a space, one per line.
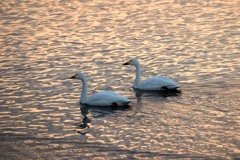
132, 62
79, 75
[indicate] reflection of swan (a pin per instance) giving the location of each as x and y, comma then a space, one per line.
154, 83
156, 93
96, 112
105, 98
83, 127
86, 120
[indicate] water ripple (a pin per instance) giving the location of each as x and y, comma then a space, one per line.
196, 44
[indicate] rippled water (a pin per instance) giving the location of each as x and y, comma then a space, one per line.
195, 43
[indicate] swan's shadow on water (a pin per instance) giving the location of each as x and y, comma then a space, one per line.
103, 111
160, 93
98, 111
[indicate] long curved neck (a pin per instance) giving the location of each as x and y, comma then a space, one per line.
138, 76
84, 90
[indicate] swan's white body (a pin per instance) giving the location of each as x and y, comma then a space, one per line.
105, 98
154, 83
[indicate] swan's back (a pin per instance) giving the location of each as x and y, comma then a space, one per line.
107, 98
158, 83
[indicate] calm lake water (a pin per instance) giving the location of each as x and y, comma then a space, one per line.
194, 43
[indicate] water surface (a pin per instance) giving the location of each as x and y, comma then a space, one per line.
196, 44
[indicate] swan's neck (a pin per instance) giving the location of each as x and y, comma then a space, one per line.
84, 91
138, 76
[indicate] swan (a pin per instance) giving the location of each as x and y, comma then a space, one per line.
154, 83
104, 98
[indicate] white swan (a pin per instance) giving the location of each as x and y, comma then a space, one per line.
105, 98
154, 83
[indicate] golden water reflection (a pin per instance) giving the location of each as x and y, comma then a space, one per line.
195, 43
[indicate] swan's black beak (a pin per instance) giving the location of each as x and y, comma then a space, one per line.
127, 63
73, 77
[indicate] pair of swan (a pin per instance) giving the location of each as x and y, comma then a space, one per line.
108, 98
